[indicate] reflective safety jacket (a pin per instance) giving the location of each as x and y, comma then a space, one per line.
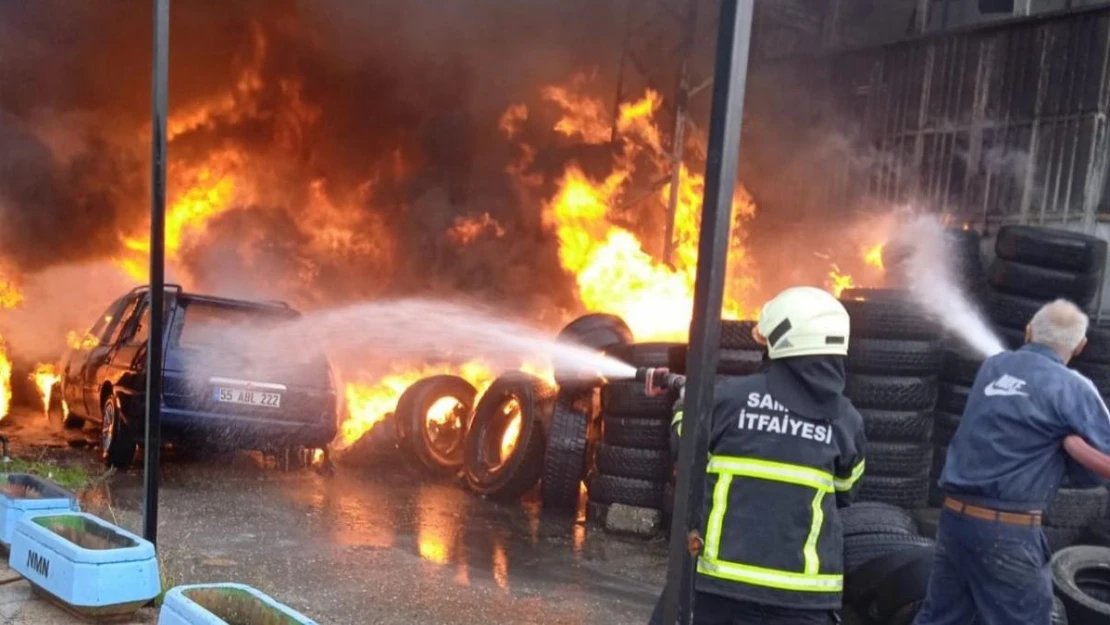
771, 531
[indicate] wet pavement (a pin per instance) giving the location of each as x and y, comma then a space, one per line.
378, 542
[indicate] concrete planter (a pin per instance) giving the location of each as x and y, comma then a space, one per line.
225, 604
85, 564
22, 494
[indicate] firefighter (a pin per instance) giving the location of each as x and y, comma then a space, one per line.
786, 448
1004, 465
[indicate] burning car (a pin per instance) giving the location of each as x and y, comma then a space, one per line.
214, 394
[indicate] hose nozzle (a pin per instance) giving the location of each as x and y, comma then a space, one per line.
659, 380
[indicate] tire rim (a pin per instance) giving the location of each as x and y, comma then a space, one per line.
444, 428
1095, 583
107, 427
501, 437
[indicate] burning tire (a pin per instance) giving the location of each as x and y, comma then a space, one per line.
887, 314
1081, 577
1044, 283
435, 413
1053, 249
505, 446
889, 357
564, 464
894, 425
892, 393
596, 331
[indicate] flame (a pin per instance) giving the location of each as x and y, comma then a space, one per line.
5, 380
838, 281
511, 434
467, 229
81, 341
45, 376
513, 119
368, 403
613, 269
873, 255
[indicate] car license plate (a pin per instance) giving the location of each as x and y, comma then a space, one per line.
247, 397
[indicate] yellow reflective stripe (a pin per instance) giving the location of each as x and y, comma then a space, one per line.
812, 560
717, 516
772, 471
677, 420
770, 578
846, 484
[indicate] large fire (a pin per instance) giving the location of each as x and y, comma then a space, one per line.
46, 377
5, 380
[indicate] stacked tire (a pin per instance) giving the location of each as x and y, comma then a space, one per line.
886, 565
961, 364
894, 357
633, 461
1034, 266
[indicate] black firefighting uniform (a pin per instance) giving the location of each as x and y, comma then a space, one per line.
786, 449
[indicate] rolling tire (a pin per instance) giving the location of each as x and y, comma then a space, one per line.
506, 479
891, 393
412, 409
1098, 346
564, 461
1098, 374
862, 585
637, 433
1061, 537
1013, 311
641, 464
597, 331
952, 398
858, 516
117, 446
863, 548
1081, 578
905, 492
610, 489
887, 314
1042, 283
739, 362
1076, 507
960, 366
889, 357
899, 459
738, 335
669, 355
892, 425
626, 398
1054, 249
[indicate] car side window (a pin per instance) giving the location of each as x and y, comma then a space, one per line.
139, 333
104, 324
124, 321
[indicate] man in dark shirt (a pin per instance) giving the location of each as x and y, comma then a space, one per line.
1004, 466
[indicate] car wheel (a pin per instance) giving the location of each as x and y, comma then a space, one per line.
117, 448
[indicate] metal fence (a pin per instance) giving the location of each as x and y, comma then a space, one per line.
1003, 123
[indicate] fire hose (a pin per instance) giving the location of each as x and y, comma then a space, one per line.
659, 380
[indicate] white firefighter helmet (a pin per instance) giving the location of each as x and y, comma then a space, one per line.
804, 321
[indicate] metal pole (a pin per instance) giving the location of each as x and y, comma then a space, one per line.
678, 144
730, 77
153, 445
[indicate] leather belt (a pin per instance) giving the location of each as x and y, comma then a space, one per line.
1032, 519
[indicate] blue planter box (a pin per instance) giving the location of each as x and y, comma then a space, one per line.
22, 494
220, 604
87, 565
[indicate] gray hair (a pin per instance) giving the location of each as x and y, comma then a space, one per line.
1060, 325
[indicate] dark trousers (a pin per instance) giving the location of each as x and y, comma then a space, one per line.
992, 570
717, 610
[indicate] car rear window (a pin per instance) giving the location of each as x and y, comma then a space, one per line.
212, 324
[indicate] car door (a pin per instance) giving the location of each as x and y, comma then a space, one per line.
126, 366
77, 358
93, 373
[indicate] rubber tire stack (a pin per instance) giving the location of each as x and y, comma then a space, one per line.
1081, 579
1034, 266
961, 364
894, 356
633, 461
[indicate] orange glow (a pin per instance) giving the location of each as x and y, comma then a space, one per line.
10, 295
512, 119
5, 380
368, 403
839, 281
81, 341
873, 256
467, 229
45, 376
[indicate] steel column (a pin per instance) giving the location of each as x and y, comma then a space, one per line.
159, 104
731, 73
